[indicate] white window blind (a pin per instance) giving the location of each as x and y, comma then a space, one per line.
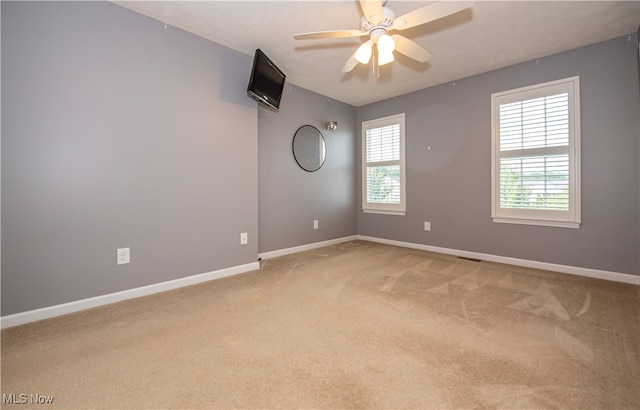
383, 165
535, 154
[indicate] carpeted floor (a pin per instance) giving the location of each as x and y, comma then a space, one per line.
355, 325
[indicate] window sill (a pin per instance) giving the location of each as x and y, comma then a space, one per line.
383, 212
556, 224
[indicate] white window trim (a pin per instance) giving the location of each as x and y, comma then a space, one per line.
385, 209
565, 219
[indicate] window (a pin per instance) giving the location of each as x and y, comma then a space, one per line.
536, 154
383, 165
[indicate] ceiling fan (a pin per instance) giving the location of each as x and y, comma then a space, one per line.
378, 20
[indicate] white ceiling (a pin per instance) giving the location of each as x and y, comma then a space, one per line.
490, 35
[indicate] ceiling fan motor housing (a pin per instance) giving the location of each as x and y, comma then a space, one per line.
384, 24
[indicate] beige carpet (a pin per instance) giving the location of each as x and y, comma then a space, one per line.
356, 325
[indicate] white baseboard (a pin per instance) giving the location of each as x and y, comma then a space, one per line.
301, 248
573, 270
76, 306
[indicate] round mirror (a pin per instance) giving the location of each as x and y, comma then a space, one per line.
309, 149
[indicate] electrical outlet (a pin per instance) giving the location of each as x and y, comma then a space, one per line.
123, 256
427, 226
315, 224
244, 239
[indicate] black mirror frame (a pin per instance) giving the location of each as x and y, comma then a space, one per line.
293, 150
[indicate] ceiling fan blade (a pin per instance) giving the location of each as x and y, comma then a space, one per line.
429, 13
329, 34
411, 49
372, 10
351, 63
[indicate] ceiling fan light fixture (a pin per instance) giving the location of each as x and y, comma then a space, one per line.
385, 58
386, 44
363, 53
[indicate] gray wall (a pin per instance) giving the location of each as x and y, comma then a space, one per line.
449, 185
291, 198
117, 132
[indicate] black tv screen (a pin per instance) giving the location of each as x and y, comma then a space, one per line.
266, 82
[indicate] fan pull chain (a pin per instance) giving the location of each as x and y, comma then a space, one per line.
375, 67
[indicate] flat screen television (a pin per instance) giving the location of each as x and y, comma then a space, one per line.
266, 82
